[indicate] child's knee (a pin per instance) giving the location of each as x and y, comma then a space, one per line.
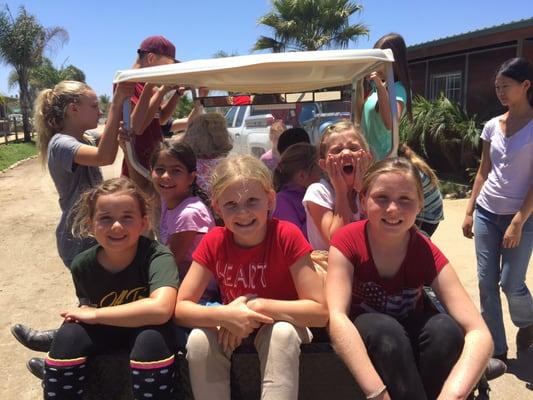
150, 345
199, 344
280, 336
70, 341
382, 334
444, 334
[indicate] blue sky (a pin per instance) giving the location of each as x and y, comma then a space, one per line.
104, 35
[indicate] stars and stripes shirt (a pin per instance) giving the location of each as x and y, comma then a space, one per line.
397, 296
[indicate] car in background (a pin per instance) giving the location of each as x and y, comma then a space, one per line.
15, 117
249, 126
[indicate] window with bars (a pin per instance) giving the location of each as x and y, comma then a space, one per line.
450, 84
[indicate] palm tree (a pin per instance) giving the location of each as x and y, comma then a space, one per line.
104, 101
22, 42
310, 25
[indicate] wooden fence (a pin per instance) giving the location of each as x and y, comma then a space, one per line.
11, 131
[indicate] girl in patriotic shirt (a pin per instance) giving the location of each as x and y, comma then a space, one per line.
267, 283
393, 346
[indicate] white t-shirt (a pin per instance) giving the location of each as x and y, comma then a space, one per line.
322, 194
511, 174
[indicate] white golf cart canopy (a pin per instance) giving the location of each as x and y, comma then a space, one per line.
295, 72
266, 73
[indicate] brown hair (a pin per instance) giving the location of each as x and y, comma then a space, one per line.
396, 43
299, 156
338, 127
239, 167
395, 165
208, 136
50, 111
419, 163
85, 207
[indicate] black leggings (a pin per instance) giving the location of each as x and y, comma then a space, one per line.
151, 351
413, 356
147, 343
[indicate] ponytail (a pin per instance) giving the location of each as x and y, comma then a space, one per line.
50, 111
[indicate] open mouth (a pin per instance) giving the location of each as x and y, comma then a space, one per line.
117, 238
348, 169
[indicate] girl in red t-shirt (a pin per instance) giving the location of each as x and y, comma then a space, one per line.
376, 272
267, 283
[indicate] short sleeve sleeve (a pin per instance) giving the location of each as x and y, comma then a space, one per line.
204, 252
488, 130
81, 293
62, 150
293, 242
163, 271
191, 219
344, 240
434, 265
319, 194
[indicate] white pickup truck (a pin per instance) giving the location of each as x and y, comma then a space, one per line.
249, 126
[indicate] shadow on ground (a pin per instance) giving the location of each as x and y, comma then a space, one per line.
522, 366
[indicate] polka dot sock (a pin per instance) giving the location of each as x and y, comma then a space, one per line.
153, 380
64, 379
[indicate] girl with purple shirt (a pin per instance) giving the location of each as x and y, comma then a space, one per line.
297, 169
185, 217
502, 198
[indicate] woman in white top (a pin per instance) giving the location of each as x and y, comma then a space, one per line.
503, 199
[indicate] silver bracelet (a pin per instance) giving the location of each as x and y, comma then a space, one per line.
377, 393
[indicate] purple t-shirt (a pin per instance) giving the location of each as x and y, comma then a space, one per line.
511, 174
191, 215
289, 206
270, 159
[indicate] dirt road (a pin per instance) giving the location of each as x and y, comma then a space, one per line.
35, 285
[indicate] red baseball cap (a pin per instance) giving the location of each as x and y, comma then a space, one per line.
158, 45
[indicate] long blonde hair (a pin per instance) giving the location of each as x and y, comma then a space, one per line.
85, 208
208, 136
239, 167
50, 111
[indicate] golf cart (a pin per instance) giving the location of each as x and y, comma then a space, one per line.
277, 81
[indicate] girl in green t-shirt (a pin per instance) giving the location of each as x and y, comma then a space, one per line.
127, 288
376, 118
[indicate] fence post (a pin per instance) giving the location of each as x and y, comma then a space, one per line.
16, 130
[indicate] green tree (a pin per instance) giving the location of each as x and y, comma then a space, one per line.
184, 107
224, 54
22, 43
104, 102
310, 25
47, 76
442, 129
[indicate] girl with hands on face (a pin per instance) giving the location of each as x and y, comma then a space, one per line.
334, 202
502, 198
270, 291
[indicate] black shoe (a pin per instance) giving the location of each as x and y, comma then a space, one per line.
495, 369
33, 339
36, 367
524, 338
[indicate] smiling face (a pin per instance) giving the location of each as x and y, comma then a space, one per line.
117, 223
343, 148
171, 179
392, 203
244, 207
510, 91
